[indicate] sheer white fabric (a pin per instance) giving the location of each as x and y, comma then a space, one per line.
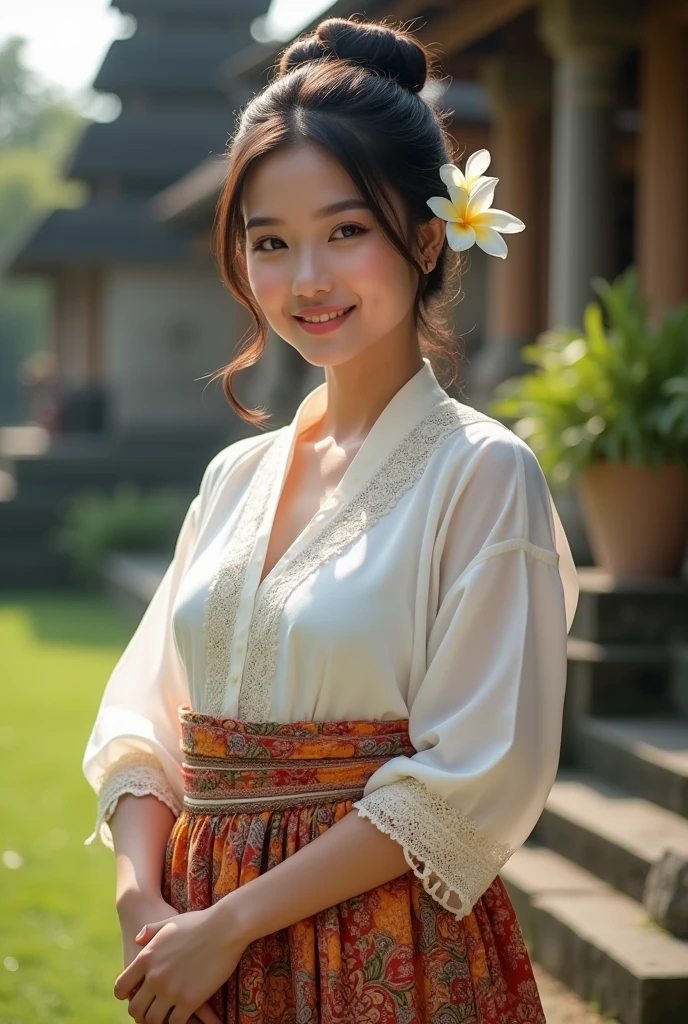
434, 584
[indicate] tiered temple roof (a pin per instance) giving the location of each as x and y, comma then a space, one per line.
175, 113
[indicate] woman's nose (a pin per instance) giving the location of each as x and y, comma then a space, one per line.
310, 274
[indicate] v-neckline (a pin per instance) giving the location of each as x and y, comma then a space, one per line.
310, 525
419, 393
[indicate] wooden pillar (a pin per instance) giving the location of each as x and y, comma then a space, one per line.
586, 42
662, 192
519, 94
93, 332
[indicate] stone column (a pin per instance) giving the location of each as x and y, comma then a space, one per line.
519, 95
662, 191
586, 41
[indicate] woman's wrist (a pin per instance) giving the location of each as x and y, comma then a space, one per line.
235, 918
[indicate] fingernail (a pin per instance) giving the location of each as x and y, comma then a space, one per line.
140, 934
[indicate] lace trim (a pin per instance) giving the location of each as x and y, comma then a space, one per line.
137, 772
441, 845
224, 593
380, 494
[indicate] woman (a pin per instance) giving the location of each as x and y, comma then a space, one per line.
341, 711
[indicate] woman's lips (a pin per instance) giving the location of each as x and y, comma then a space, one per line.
324, 326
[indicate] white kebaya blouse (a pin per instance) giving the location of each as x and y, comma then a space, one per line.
435, 584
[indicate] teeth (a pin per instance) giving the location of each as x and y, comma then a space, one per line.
323, 317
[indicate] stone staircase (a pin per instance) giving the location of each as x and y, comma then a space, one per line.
44, 482
619, 802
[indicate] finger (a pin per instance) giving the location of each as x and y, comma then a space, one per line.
129, 978
158, 1011
206, 1014
141, 1002
148, 931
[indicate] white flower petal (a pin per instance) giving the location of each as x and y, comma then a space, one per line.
459, 200
460, 236
441, 207
479, 182
452, 175
502, 221
481, 199
490, 241
477, 163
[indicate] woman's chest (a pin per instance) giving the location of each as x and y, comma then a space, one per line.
314, 474
333, 607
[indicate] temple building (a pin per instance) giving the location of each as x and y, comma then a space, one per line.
139, 314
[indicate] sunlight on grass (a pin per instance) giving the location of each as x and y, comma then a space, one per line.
59, 938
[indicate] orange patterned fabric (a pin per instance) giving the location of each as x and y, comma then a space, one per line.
255, 793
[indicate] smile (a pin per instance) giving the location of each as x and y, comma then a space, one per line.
325, 322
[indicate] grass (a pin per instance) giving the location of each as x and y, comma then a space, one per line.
59, 937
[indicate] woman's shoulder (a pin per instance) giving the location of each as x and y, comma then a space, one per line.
486, 445
486, 468
239, 458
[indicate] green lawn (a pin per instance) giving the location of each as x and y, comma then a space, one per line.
59, 937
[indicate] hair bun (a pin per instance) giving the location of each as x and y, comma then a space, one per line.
388, 52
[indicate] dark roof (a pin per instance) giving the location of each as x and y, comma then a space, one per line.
153, 146
468, 100
100, 231
255, 58
193, 198
174, 61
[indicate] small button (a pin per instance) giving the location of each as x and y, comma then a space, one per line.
235, 676
239, 647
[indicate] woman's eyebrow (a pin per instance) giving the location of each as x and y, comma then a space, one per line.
325, 211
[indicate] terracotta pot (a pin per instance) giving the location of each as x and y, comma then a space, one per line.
637, 520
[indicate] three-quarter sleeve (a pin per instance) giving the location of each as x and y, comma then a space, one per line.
134, 743
485, 716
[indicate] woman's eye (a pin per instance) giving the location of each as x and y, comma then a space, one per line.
345, 227
259, 244
351, 230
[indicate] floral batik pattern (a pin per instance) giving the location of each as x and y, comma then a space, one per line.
255, 794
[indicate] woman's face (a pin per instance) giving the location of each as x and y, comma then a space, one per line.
312, 246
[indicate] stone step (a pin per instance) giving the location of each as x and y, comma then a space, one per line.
649, 756
613, 680
26, 567
43, 486
608, 831
635, 612
20, 518
598, 942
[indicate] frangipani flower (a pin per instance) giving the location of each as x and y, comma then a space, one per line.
467, 211
476, 165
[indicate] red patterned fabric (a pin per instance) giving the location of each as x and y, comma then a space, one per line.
392, 955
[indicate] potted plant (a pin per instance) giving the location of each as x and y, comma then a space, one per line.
607, 407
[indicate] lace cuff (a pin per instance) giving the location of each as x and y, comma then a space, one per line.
137, 772
441, 845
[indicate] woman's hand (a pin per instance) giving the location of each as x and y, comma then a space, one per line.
134, 911
185, 960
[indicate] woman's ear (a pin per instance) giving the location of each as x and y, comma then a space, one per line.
432, 235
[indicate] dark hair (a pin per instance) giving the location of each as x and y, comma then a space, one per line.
353, 87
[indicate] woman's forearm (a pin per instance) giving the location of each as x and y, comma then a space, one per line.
349, 858
140, 827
